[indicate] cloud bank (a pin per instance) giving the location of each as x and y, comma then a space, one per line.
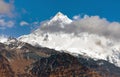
6, 13
97, 25
6, 8
6, 24
90, 24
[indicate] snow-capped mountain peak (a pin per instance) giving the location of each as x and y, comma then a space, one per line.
60, 17
54, 35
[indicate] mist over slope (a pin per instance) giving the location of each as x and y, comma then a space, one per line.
90, 24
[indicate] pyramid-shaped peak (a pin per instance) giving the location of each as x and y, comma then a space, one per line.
61, 17
59, 14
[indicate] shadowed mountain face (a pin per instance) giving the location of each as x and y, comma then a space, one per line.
5, 69
23, 60
61, 65
104, 68
20, 58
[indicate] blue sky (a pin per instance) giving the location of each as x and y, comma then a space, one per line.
32, 11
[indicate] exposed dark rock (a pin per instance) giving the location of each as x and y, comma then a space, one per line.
24, 60
105, 68
61, 65
5, 69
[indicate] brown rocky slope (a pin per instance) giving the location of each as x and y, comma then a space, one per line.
5, 69
61, 65
23, 60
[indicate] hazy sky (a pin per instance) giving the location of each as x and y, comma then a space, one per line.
18, 17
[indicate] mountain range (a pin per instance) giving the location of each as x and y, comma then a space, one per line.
58, 34
58, 49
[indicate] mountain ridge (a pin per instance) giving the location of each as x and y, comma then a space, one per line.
28, 61
92, 45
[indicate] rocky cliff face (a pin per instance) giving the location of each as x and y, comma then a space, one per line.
23, 60
61, 65
16, 57
5, 69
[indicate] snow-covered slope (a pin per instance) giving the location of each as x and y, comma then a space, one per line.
3, 39
59, 19
90, 45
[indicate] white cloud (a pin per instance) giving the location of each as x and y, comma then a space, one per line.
90, 24
6, 8
6, 24
77, 17
24, 23
6, 12
97, 25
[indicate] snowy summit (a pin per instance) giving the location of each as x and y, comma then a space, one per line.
90, 45
60, 17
